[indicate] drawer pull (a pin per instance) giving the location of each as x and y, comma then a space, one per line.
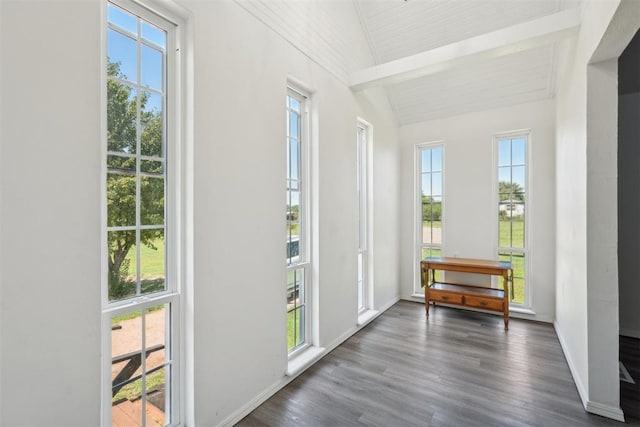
483, 303
444, 297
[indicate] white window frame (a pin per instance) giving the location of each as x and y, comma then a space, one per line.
526, 133
178, 181
364, 218
304, 259
418, 226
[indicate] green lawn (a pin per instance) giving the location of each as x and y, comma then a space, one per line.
151, 260
511, 233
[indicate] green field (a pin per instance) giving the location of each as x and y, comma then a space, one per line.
151, 260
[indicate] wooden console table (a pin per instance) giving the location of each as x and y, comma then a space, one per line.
467, 295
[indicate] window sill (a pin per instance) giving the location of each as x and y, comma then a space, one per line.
304, 359
522, 310
366, 316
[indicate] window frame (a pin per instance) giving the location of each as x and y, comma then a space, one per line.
364, 186
304, 214
177, 181
525, 250
418, 224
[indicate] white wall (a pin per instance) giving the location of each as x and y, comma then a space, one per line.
470, 225
241, 70
50, 225
586, 209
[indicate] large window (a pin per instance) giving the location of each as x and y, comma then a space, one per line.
430, 197
512, 202
297, 233
141, 298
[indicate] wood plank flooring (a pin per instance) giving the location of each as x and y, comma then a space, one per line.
630, 393
458, 368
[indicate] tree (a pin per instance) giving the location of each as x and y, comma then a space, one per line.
510, 191
431, 209
122, 179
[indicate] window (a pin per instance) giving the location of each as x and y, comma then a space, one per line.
141, 298
297, 233
430, 198
362, 188
512, 201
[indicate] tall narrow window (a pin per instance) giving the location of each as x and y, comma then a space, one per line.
141, 298
362, 186
297, 233
430, 199
512, 201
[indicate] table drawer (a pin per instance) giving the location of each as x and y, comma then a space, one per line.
486, 303
445, 297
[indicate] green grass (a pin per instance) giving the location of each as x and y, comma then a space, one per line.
151, 260
516, 227
293, 323
134, 314
134, 390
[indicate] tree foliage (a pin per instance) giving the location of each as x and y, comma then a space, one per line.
129, 115
510, 191
431, 209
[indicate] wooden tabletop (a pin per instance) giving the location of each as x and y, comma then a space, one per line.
481, 263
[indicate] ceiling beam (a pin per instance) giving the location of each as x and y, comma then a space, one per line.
506, 41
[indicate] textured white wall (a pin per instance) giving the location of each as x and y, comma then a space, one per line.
470, 228
50, 225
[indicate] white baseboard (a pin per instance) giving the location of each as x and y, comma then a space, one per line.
633, 333
589, 406
567, 355
605, 410
258, 400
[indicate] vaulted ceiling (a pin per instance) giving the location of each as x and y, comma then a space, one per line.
434, 58
396, 30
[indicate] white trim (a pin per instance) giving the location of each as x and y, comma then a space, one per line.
299, 91
417, 209
366, 316
582, 391
178, 225
261, 397
615, 413
367, 174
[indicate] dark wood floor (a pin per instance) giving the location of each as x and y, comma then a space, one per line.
458, 368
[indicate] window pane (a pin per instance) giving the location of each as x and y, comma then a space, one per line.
293, 125
154, 34
517, 226
121, 18
121, 164
151, 200
294, 104
122, 51
504, 152
121, 200
151, 118
504, 175
426, 184
518, 173
518, 151
294, 159
426, 160
122, 264
121, 116
151, 68
126, 354
504, 230
152, 166
436, 160
152, 261
157, 396
436, 184
156, 336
